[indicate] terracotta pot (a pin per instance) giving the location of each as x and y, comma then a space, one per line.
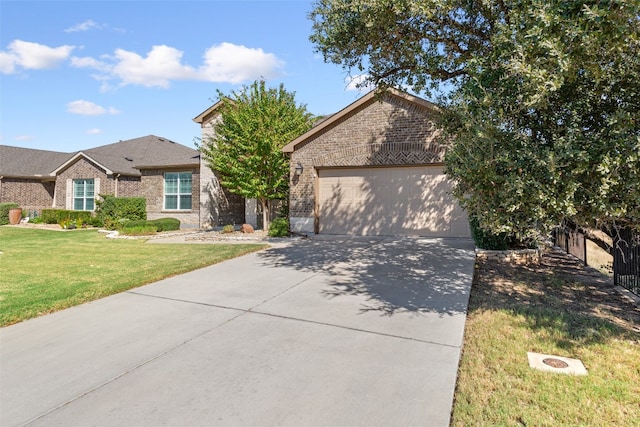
15, 215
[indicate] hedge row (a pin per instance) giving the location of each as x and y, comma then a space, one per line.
56, 216
161, 224
4, 212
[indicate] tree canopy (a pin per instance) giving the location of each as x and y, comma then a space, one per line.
540, 100
245, 149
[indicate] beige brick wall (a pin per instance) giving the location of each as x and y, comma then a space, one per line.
388, 133
81, 169
29, 194
153, 189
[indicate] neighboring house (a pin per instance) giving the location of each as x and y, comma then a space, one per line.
374, 168
216, 198
165, 173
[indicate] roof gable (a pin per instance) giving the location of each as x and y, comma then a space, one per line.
356, 106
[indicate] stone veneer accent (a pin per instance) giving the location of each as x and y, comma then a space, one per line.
218, 207
394, 132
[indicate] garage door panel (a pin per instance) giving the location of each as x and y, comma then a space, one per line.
389, 201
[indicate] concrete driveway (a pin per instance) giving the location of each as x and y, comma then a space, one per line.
332, 332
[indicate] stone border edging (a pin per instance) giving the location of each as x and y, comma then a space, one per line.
517, 256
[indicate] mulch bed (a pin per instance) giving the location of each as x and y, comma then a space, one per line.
559, 280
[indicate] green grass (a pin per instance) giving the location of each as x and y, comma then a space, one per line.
514, 310
42, 271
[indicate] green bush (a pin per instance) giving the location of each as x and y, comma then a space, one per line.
161, 224
113, 211
57, 216
487, 240
228, 228
4, 212
139, 230
167, 224
279, 227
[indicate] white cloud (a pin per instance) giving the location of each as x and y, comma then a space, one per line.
84, 26
94, 131
161, 65
24, 138
88, 62
358, 83
223, 63
87, 108
32, 56
229, 63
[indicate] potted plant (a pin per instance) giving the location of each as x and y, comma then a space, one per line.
15, 215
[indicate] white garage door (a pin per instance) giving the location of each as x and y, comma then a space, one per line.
394, 201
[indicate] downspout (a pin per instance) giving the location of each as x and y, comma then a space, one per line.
1, 177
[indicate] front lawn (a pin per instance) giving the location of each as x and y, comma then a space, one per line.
556, 308
42, 271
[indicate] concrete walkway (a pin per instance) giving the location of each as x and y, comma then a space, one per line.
336, 332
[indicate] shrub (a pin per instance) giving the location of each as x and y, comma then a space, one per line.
56, 216
167, 224
139, 230
36, 220
487, 240
161, 224
279, 227
4, 212
113, 211
228, 228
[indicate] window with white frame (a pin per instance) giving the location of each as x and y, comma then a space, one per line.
83, 194
177, 190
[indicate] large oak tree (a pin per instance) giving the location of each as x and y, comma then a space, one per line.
540, 98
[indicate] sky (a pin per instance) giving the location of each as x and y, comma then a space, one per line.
77, 75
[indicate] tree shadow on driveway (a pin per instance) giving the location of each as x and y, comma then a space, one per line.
389, 275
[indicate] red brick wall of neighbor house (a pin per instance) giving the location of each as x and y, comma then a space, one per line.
27, 193
81, 169
153, 190
394, 132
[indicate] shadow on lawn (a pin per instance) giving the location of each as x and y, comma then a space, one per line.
394, 275
576, 304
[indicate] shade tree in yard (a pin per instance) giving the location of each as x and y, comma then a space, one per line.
245, 149
540, 99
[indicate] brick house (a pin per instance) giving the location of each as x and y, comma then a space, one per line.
374, 168
167, 174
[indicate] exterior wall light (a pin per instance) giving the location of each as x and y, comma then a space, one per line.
299, 169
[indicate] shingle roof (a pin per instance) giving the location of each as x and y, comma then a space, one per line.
128, 157
124, 157
26, 162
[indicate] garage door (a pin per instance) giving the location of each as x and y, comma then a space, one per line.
395, 201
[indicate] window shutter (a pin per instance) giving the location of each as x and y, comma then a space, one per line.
69, 195
96, 191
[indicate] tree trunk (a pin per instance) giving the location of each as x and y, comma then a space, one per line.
265, 214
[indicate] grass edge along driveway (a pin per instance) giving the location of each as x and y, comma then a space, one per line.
42, 271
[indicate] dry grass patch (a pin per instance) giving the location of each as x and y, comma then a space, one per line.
559, 308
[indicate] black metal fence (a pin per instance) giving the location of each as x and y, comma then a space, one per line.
626, 260
573, 242
625, 252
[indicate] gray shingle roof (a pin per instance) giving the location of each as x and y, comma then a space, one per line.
26, 162
124, 157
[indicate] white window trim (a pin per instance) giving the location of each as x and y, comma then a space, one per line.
71, 193
164, 192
